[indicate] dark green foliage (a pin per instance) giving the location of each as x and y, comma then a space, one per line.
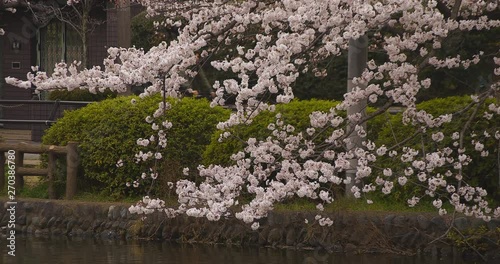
475, 239
144, 34
107, 132
460, 81
80, 95
331, 87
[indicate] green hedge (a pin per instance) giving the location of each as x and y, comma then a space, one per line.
482, 171
295, 113
107, 132
144, 33
80, 95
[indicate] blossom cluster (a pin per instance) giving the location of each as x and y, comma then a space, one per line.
293, 37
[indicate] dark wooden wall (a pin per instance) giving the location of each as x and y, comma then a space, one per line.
19, 26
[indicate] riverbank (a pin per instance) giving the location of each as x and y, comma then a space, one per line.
351, 232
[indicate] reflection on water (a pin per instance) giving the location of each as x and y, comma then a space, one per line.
65, 251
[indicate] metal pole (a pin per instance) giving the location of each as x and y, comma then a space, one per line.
357, 58
31, 122
44, 102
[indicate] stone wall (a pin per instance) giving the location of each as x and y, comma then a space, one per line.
353, 232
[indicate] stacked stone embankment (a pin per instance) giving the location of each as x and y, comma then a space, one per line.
352, 232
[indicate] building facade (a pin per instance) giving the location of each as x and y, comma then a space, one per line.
26, 43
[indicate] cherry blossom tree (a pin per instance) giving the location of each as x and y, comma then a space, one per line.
277, 41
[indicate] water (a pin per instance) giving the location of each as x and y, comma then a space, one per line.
65, 251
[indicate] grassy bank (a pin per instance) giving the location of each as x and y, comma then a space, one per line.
40, 191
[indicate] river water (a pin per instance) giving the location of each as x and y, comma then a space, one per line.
66, 251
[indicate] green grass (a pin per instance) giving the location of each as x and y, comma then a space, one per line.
387, 204
40, 191
103, 197
355, 205
380, 204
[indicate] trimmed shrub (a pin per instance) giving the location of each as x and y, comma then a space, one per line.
107, 132
295, 113
80, 95
482, 171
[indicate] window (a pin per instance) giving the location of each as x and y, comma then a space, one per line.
58, 42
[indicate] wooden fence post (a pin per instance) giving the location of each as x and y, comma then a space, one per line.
2, 170
51, 167
72, 160
19, 177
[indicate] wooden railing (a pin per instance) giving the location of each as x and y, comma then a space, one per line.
72, 161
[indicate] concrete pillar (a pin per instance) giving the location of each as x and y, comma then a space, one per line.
357, 58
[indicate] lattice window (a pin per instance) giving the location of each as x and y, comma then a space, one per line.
51, 46
74, 49
59, 42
